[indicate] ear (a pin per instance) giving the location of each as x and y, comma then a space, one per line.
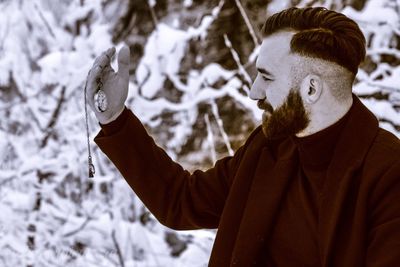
311, 88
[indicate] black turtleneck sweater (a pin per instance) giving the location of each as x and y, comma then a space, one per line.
294, 239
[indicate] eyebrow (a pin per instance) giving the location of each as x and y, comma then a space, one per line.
264, 71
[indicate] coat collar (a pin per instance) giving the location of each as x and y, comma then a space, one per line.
263, 202
352, 147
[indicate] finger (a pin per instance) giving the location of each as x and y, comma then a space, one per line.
94, 74
107, 69
105, 58
123, 62
101, 63
110, 53
100, 67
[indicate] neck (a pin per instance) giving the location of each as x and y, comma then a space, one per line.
325, 116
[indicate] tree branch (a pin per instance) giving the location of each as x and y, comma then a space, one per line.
235, 56
45, 21
114, 239
247, 21
54, 117
153, 14
80, 228
220, 124
210, 138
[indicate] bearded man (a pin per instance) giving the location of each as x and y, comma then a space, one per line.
317, 184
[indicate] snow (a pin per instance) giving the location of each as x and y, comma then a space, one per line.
374, 12
276, 6
213, 72
164, 51
383, 110
152, 3
187, 3
77, 12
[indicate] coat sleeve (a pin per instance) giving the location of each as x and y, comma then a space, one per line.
178, 199
384, 225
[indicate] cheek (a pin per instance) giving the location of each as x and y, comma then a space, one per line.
277, 96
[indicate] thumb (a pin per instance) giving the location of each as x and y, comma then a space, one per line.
123, 62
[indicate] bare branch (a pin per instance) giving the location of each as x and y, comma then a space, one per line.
235, 56
220, 124
210, 138
146, 78
247, 21
117, 247
80, 228
54, 117
153, 14
45, 21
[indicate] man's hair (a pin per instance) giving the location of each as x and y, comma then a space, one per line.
320, 33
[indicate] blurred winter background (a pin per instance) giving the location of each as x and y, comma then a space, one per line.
192, 67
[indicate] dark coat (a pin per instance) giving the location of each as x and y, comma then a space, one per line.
359, 220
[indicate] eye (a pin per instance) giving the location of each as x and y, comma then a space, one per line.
265, 78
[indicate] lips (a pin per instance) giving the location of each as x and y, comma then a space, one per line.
265, 106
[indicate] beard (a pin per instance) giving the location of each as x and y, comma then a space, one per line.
287, 120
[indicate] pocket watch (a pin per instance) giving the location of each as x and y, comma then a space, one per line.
100, 101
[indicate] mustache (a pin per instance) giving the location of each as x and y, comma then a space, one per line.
264, 105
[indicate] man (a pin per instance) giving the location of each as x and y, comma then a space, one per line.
318, 184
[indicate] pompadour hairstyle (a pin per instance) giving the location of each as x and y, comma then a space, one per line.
321, 33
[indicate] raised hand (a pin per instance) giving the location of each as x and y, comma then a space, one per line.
113, 84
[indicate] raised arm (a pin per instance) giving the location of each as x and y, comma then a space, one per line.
178, 199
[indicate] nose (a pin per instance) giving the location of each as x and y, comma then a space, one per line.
257, 91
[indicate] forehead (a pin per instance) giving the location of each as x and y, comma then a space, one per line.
275, 51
